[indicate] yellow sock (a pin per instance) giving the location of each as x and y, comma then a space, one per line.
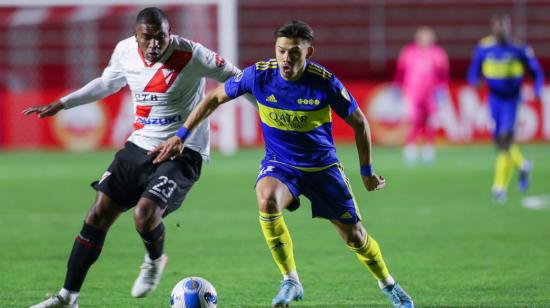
278, 240
503, 170
516, 156
370, 255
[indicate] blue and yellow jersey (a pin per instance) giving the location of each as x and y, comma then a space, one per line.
503, 67
295, 117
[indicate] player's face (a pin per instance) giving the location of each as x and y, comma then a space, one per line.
425, 37
152, 40
291, 54
501, 27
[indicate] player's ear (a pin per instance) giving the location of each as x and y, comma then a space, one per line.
310, 50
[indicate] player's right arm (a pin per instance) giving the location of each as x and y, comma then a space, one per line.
110, 82
474, 71
239, 84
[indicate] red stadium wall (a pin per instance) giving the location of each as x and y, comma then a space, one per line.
462, 117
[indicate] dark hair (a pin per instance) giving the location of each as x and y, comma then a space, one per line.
295, 29
151, 15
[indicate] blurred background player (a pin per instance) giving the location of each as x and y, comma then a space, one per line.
502, 62
295, 98
422, 74
166, 76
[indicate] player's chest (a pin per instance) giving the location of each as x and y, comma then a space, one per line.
161, 78
299, 97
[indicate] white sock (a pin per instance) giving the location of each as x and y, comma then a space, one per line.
292, 275
410, 152
386, 282
428, 153
68, 296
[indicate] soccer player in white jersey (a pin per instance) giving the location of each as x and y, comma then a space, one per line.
166, 76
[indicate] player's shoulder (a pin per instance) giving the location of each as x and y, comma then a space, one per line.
126, 44
182, 43
319, 73
266, 66
486, 42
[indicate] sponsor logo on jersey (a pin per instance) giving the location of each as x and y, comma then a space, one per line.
143, 97
305, 101
271, 99
159, 121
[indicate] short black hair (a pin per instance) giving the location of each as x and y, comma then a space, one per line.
295, 29
152, 15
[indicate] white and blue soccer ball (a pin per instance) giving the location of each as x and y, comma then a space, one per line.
194, 292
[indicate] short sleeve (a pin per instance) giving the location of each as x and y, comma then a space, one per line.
241, 83
113, 75
211, 64
340, 100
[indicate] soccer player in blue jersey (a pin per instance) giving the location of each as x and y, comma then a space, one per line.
295, 97
502, 63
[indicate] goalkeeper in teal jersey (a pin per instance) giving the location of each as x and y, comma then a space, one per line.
295, 97
502, 63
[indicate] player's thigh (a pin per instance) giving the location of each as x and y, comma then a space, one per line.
169, 184
277, 187
272, 195
330, 194
103, 212
353, 234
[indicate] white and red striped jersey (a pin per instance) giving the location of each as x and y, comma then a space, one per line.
165, 92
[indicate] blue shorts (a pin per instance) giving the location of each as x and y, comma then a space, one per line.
328, 190
504, 113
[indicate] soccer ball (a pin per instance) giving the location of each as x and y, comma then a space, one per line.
194, 292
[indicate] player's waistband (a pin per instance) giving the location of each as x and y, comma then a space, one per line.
306, 169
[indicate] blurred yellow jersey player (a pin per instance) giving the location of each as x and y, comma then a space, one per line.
295, 98
502, 63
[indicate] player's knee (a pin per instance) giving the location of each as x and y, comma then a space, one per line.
268, 204
355, 237
147, 215
102, 213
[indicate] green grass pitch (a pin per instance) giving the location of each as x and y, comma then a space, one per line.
442, 238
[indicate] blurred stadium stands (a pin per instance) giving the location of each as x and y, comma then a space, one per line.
361, 39
47, 51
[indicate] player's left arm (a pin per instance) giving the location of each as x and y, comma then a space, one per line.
534, 67
361, 128
346, 107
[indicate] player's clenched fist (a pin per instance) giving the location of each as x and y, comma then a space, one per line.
168, 149
44, 111
374, 182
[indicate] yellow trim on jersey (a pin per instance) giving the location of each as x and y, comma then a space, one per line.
348, 184
264, 65
305, 169
487, 41
502, 69
319, 71
294, 120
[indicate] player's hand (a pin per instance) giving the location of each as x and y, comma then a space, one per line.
374, 182
169, 149
44, 111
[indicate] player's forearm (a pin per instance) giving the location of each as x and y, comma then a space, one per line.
91, 92
363, 142
206, 107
